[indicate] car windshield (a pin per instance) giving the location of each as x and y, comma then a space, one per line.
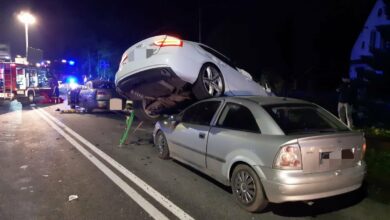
304, 118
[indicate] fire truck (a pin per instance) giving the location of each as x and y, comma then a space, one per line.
23, 82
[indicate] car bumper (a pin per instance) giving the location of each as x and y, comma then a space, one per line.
283, 186
155, 82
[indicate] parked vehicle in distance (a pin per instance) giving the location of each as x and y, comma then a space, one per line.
268, 149
161, 71
95, 94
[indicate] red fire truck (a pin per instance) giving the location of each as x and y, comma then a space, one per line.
23, 82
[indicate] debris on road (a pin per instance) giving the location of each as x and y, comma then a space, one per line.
24, 167
45, 175
73, 197
72, 110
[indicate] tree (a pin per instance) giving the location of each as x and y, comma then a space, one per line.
99, 60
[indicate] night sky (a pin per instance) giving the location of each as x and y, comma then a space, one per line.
293, 38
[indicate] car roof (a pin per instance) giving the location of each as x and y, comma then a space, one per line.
265, 100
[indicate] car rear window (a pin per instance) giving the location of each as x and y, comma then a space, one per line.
304, 118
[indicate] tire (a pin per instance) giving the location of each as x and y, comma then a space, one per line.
162, 146
210, 83
142, 114
30, 97
248, 194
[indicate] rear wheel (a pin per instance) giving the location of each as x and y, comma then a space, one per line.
162, 145
247, 189
210, 83
142, 112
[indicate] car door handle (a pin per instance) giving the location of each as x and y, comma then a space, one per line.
202, 135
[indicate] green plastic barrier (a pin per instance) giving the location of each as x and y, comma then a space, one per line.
129, 121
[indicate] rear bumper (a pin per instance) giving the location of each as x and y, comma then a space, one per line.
282, 186
155, 82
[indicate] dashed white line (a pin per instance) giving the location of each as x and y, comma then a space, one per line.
136, 180
147, 206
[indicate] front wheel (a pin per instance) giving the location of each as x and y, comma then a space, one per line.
209, 83
247, 189
162, 146
30, 97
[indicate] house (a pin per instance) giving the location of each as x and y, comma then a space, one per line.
371, 53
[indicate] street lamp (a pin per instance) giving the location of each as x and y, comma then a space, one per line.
26, 18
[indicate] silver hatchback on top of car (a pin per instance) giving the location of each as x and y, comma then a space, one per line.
266, 148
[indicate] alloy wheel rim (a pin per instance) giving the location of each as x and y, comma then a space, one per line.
245, 188
161, 144
212, 81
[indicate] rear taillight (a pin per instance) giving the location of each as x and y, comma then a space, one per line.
289, 158
168, 41
364, 148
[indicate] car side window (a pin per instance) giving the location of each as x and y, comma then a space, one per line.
201, 113
238, 117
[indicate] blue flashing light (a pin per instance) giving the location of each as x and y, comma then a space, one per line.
71, 80
71, 62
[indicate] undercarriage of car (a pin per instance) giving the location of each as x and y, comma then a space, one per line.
162, 92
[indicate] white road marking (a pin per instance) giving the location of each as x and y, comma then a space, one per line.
181, 214
148, 207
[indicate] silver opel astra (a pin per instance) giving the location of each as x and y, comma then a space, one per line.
268, 149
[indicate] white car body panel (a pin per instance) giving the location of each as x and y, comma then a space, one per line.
186, 62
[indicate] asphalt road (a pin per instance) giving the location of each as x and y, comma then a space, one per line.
46, 156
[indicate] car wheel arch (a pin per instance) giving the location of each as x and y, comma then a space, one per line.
243, 161
30, 91
235, 164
